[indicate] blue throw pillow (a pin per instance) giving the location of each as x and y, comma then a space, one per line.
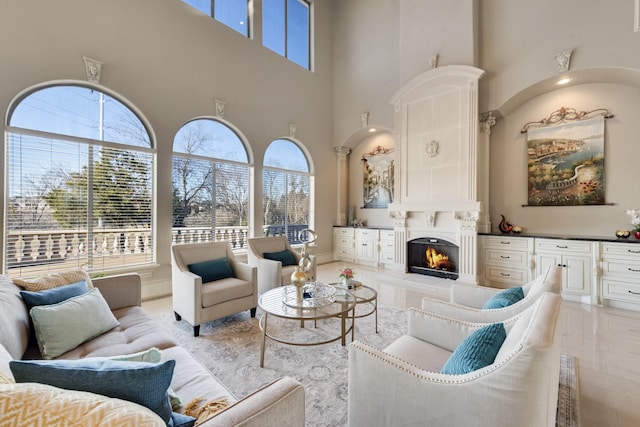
213, 270
140, 382
476, 351
504, 298
181, 420
54, 295
285, 257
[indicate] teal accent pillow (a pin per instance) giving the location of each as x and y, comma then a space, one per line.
476, 351
64, 326
143, 383
504, 298
212, 270
285, 257
54, 295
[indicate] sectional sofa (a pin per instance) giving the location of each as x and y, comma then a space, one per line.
280, 403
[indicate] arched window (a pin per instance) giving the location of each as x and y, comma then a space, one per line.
79, 177
211, 184
287, 184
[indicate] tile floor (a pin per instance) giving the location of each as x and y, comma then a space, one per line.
605, 340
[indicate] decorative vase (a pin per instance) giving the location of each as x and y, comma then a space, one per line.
622, 234
298, 279
636, 234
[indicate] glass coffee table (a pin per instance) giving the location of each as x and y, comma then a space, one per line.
280, 303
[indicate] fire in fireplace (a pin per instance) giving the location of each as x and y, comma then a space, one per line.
433, 257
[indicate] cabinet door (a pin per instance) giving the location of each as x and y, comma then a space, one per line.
576, 277
544, 261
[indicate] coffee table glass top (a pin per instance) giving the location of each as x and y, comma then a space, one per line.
272, 302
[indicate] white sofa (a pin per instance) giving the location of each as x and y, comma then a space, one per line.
280, 403
467, 300
402, 384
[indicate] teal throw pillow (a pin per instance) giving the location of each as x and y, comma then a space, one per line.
476, 351
285, 257
64, 326
143, 383
210, 271
504, 298
54, 295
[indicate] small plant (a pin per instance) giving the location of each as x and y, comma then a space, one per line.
346, 273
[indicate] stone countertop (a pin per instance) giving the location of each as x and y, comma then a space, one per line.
613, 239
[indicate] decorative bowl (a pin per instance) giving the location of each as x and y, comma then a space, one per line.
622, 234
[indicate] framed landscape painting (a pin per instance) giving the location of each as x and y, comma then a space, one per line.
566, 164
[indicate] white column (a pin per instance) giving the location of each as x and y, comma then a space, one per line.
468, 241
487, 120
342, 155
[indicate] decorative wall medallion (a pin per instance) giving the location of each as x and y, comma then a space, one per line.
93, 68
220, 108
433, 62
431, 218
292, 130
364, 119
431, 148
562, 60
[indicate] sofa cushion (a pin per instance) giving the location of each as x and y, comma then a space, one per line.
44, 405
476, 351
54, 281
212, 270
419, 353
137, 332
143, 383
285, 257
54, 295
60, 327
225, 290
14, 319
504, 298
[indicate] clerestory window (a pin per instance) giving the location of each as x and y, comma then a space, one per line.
287, 184
211, 184
232, 13
286, 29
79, 174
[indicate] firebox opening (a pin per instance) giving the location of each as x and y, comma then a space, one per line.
434, 257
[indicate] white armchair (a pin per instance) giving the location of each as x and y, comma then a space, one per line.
402, 384
199, 302
467, 300
271, 273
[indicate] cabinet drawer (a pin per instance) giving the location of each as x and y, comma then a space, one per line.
387, 257
387, 246
620, 290
506, 275
344, 232
345, 252
506, 242
506, 258
364, 233
621, 268
344, 242
627, 250
563, 246
388, 235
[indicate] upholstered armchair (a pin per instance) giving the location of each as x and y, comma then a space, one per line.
467, 301
210, 283
402, 385
274, 264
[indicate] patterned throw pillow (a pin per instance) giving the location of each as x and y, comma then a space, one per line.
54, 281
504, 298
476, 351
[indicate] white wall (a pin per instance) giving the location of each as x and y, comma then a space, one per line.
171, 62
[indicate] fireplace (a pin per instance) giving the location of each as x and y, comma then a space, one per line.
433, 257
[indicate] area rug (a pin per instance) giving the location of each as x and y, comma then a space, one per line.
230, 349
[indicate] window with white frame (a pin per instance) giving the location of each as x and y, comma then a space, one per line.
287, 183
286, 29
79, 174
232, 13
211, 184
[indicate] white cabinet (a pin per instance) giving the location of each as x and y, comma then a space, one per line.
505, 260
620, 272
575, 258
343, 244
366, 246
